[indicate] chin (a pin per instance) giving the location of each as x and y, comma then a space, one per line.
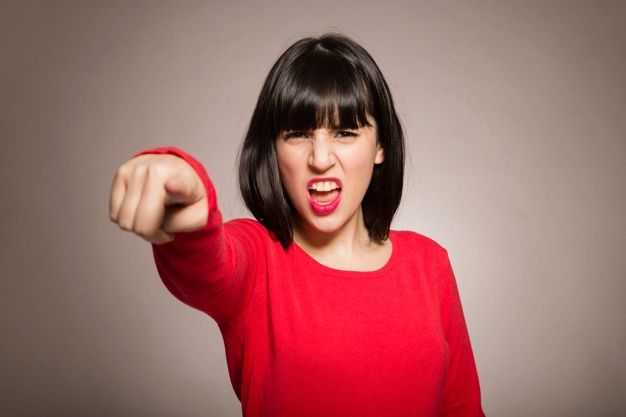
326, 224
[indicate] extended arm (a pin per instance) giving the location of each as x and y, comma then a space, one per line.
212, 268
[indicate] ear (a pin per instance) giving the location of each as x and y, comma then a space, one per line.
380, 155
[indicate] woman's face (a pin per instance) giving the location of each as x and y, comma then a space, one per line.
326, 172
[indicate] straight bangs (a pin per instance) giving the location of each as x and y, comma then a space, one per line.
323, 91
330, 82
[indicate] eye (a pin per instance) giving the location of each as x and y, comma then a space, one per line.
294, 134
346, 134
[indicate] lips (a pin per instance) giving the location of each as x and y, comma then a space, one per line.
324, 194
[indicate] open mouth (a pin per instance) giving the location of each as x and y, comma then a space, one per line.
324, 197
324, 194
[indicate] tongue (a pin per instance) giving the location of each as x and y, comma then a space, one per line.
325, 196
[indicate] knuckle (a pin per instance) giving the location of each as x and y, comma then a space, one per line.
124, 171
157, 170
124, 225
140, 169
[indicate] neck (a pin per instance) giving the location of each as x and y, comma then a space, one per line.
350, 238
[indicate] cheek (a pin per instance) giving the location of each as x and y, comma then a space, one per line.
288, 168
287, 172
359, 168
361, 160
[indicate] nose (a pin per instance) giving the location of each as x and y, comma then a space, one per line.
322, 156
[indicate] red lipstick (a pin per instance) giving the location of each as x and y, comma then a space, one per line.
324, 208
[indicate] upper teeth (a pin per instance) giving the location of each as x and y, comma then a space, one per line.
324, 186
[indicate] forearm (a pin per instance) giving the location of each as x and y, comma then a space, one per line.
198, 266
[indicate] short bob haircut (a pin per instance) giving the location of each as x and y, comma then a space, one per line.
330, 80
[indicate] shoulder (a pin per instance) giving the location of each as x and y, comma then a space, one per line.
249, 230
420, 251
416, 242
246, 226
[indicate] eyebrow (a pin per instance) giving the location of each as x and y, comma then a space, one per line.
331, 129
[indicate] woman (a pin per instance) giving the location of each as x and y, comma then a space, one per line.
324, 310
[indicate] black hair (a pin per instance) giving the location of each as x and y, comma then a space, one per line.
327, 80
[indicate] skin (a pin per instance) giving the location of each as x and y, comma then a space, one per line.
339, 239
154, 196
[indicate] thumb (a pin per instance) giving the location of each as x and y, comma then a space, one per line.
179, 191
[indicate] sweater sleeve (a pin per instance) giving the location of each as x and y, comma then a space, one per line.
462, 390
212, 269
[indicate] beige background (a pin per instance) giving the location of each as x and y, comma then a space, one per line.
516, 120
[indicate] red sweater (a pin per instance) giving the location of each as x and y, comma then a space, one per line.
303, 339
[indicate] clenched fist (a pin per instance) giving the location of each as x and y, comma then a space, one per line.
155, 196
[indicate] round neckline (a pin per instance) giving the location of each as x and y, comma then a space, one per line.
345, 273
